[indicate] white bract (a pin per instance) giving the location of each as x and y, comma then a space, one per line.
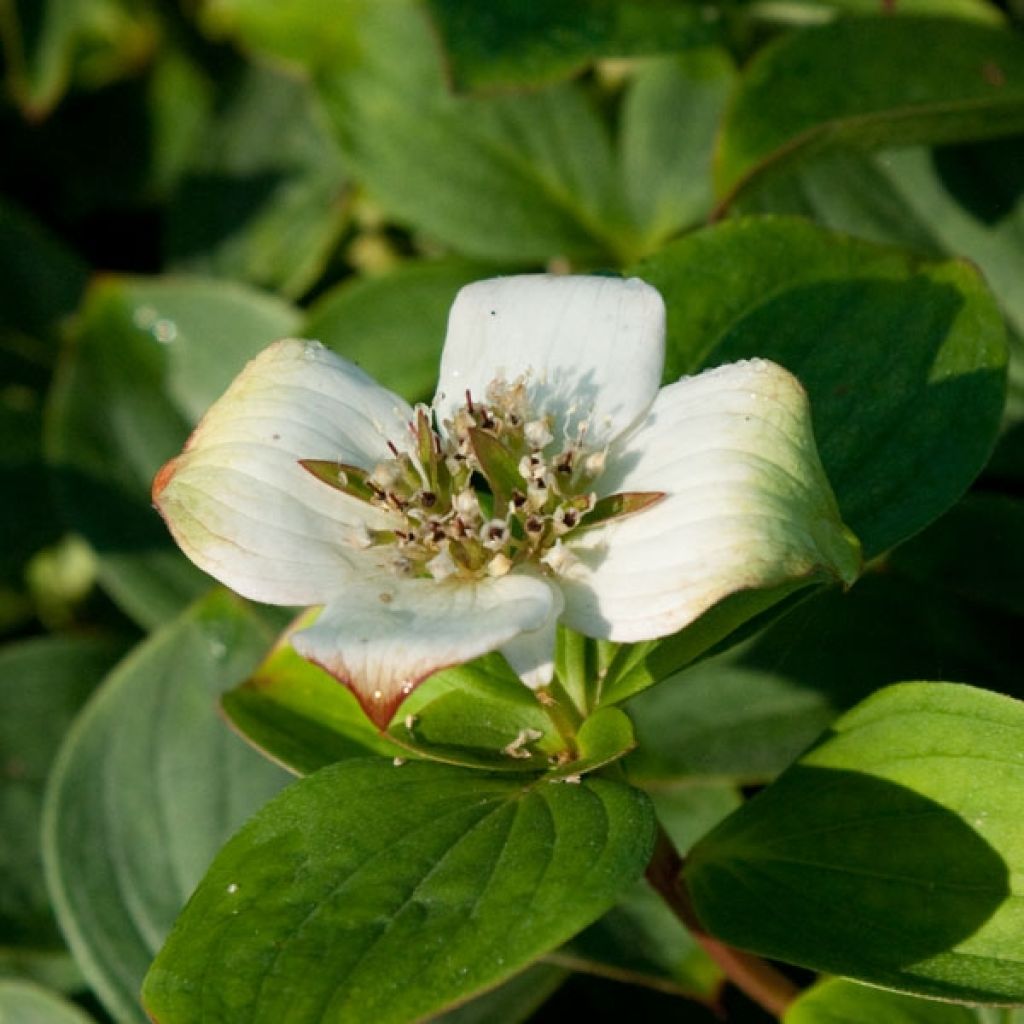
551, 480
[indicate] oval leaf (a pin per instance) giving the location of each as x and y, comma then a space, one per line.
148, 784
903, 823
43, 683
904, 360
368, 892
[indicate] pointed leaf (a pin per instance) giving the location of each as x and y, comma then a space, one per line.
499, 467
341, 476
604, 737
903, 821
418, 886
615, 506
260, 196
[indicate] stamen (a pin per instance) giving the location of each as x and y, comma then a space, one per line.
494, 534
479, 497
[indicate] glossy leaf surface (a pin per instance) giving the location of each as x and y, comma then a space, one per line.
407, 893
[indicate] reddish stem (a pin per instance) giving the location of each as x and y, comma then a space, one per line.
766, 986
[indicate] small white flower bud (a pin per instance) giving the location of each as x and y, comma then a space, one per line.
559, 559
499, 565
593, 464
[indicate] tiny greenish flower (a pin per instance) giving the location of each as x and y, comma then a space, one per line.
551, 480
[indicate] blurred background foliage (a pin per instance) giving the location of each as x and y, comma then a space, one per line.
184, 181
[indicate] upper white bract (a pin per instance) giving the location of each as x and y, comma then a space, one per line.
746, 501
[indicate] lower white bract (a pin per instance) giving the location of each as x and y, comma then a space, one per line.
550, 481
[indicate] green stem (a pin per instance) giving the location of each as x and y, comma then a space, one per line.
562, 711
766, 986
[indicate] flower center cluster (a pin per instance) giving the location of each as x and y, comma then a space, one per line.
487, 493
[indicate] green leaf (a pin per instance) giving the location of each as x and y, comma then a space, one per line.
469, 715
260, 199
296, 32
41, 280
640, 940
149, 357
957, 200
519, 178
479, 714
43, 683
845, 1002
509, 1003
746, 714
605, 736
811, 12
24, 1003
393, 326
148, 785
904, 821
420, 886
904, 81
904, 360
668, 121
510, 43
300, 716
512, 178
47, 42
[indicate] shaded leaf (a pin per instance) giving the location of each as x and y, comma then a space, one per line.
904, 360
904, 81
904, 821
260, 198
393, 326
746, 714
24, 1003
148, 784
43, 683
509, 43
976, 550
845, 1002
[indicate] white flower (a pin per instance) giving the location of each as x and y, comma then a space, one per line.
432, 536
